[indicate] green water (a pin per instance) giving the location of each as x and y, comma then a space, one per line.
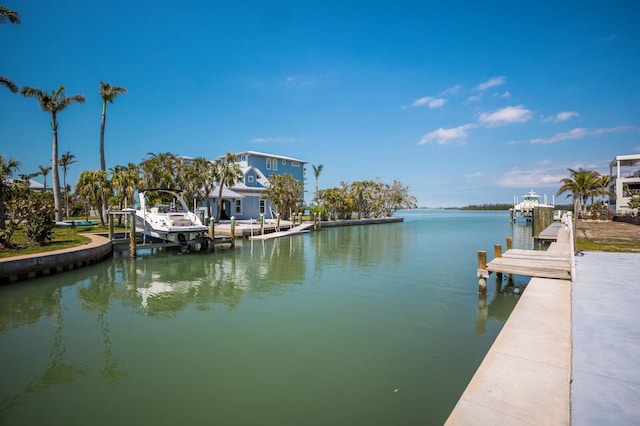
368, 325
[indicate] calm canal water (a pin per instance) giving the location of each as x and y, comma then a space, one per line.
368, 325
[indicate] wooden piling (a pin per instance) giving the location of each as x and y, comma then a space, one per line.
110, 227
509, 247
233, 232
482, 272
132, 235
497, 253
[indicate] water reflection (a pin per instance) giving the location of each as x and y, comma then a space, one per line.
352, 303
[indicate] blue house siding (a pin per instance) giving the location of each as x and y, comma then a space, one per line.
257, 167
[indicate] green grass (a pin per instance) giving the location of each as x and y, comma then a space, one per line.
618, 247
63, 237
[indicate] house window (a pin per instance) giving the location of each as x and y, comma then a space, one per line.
295, 164
250, 179
284, 162
238, 207
274, 164
262, 206
268, 163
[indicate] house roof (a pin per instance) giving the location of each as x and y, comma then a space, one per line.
626, 160
227, 193
264, 154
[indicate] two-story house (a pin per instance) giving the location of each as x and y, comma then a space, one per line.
244, 200
625, 182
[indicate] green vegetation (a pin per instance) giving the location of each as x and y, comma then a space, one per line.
366, 199
588, 244
61, 238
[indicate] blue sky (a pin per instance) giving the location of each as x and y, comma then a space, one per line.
463, 101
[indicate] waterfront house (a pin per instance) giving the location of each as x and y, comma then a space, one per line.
625, 182
244, 200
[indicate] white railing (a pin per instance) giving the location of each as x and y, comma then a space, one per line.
572, 248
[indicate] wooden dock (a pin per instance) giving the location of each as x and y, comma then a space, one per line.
555, 263
533, 263
299, 229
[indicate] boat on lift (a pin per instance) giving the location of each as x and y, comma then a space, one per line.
524, 208
163, 214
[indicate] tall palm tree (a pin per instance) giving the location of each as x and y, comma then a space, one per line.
108, 93
53, 103
229, 173
11, 16
8, 14
7, 168
66, 160
316, 173
44, 171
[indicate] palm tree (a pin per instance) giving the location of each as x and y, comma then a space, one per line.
108, 93
580, 185
8, 14
7, 168
160, 170
229, 173
124, 182
93, 186
44, 171
53, 103
6, 82
66, 160
316, 173
202, 176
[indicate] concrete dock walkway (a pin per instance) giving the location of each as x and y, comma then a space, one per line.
606, 339
568, 354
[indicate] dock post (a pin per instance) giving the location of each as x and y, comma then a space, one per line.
233, 231
110, 226
132, 235
482, 272
261, 224
497, 252
278, 222
509, 247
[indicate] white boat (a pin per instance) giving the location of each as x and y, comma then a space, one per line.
163, 214
524, 208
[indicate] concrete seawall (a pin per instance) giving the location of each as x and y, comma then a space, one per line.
35, 265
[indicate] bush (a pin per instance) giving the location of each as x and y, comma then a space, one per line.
37, 213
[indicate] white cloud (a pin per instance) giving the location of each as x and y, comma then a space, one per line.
492, 82
472, 99
451, 90
580, 133
561, 116
471, 177
272, 139
507, 115
443, 136
534, 178
430, 101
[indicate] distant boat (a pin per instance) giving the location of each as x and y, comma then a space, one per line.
169, 218
525, 207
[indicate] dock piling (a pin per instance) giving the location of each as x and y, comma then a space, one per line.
482, 272
132, 235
